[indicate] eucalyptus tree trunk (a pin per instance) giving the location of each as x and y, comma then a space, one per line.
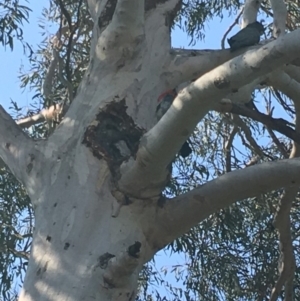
96, 183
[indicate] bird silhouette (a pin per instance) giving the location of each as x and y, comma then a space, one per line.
248, 36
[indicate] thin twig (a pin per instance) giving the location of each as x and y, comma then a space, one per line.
235, 22
278, 124
227, 148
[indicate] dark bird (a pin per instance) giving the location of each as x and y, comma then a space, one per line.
164, 102
248, 36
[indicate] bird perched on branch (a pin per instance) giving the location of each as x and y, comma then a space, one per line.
164, 102
248, 36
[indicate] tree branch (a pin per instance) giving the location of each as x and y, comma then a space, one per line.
118, 29
128, 20
120, 268
187, 210
235, 22
228, 146
276, 141
287, 263
244, 94
293, 72
92, 5
248, 134
52, 113
279, 17
14, 146
159, 22
250, 12
189, 64
278, 124
159, 146
287, 85
47, 83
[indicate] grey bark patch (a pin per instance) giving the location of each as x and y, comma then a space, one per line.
29, 167
67, 245
30, 164
221, 83
161, 201
171, 15
42, 270
114, 137
45, 267
134, 249
104, 259
107, 14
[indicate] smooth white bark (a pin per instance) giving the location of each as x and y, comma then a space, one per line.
162, 142
16, 149
293, 72
87, 218
251, 9
183, 212
279, 15
128, 21
283, 82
